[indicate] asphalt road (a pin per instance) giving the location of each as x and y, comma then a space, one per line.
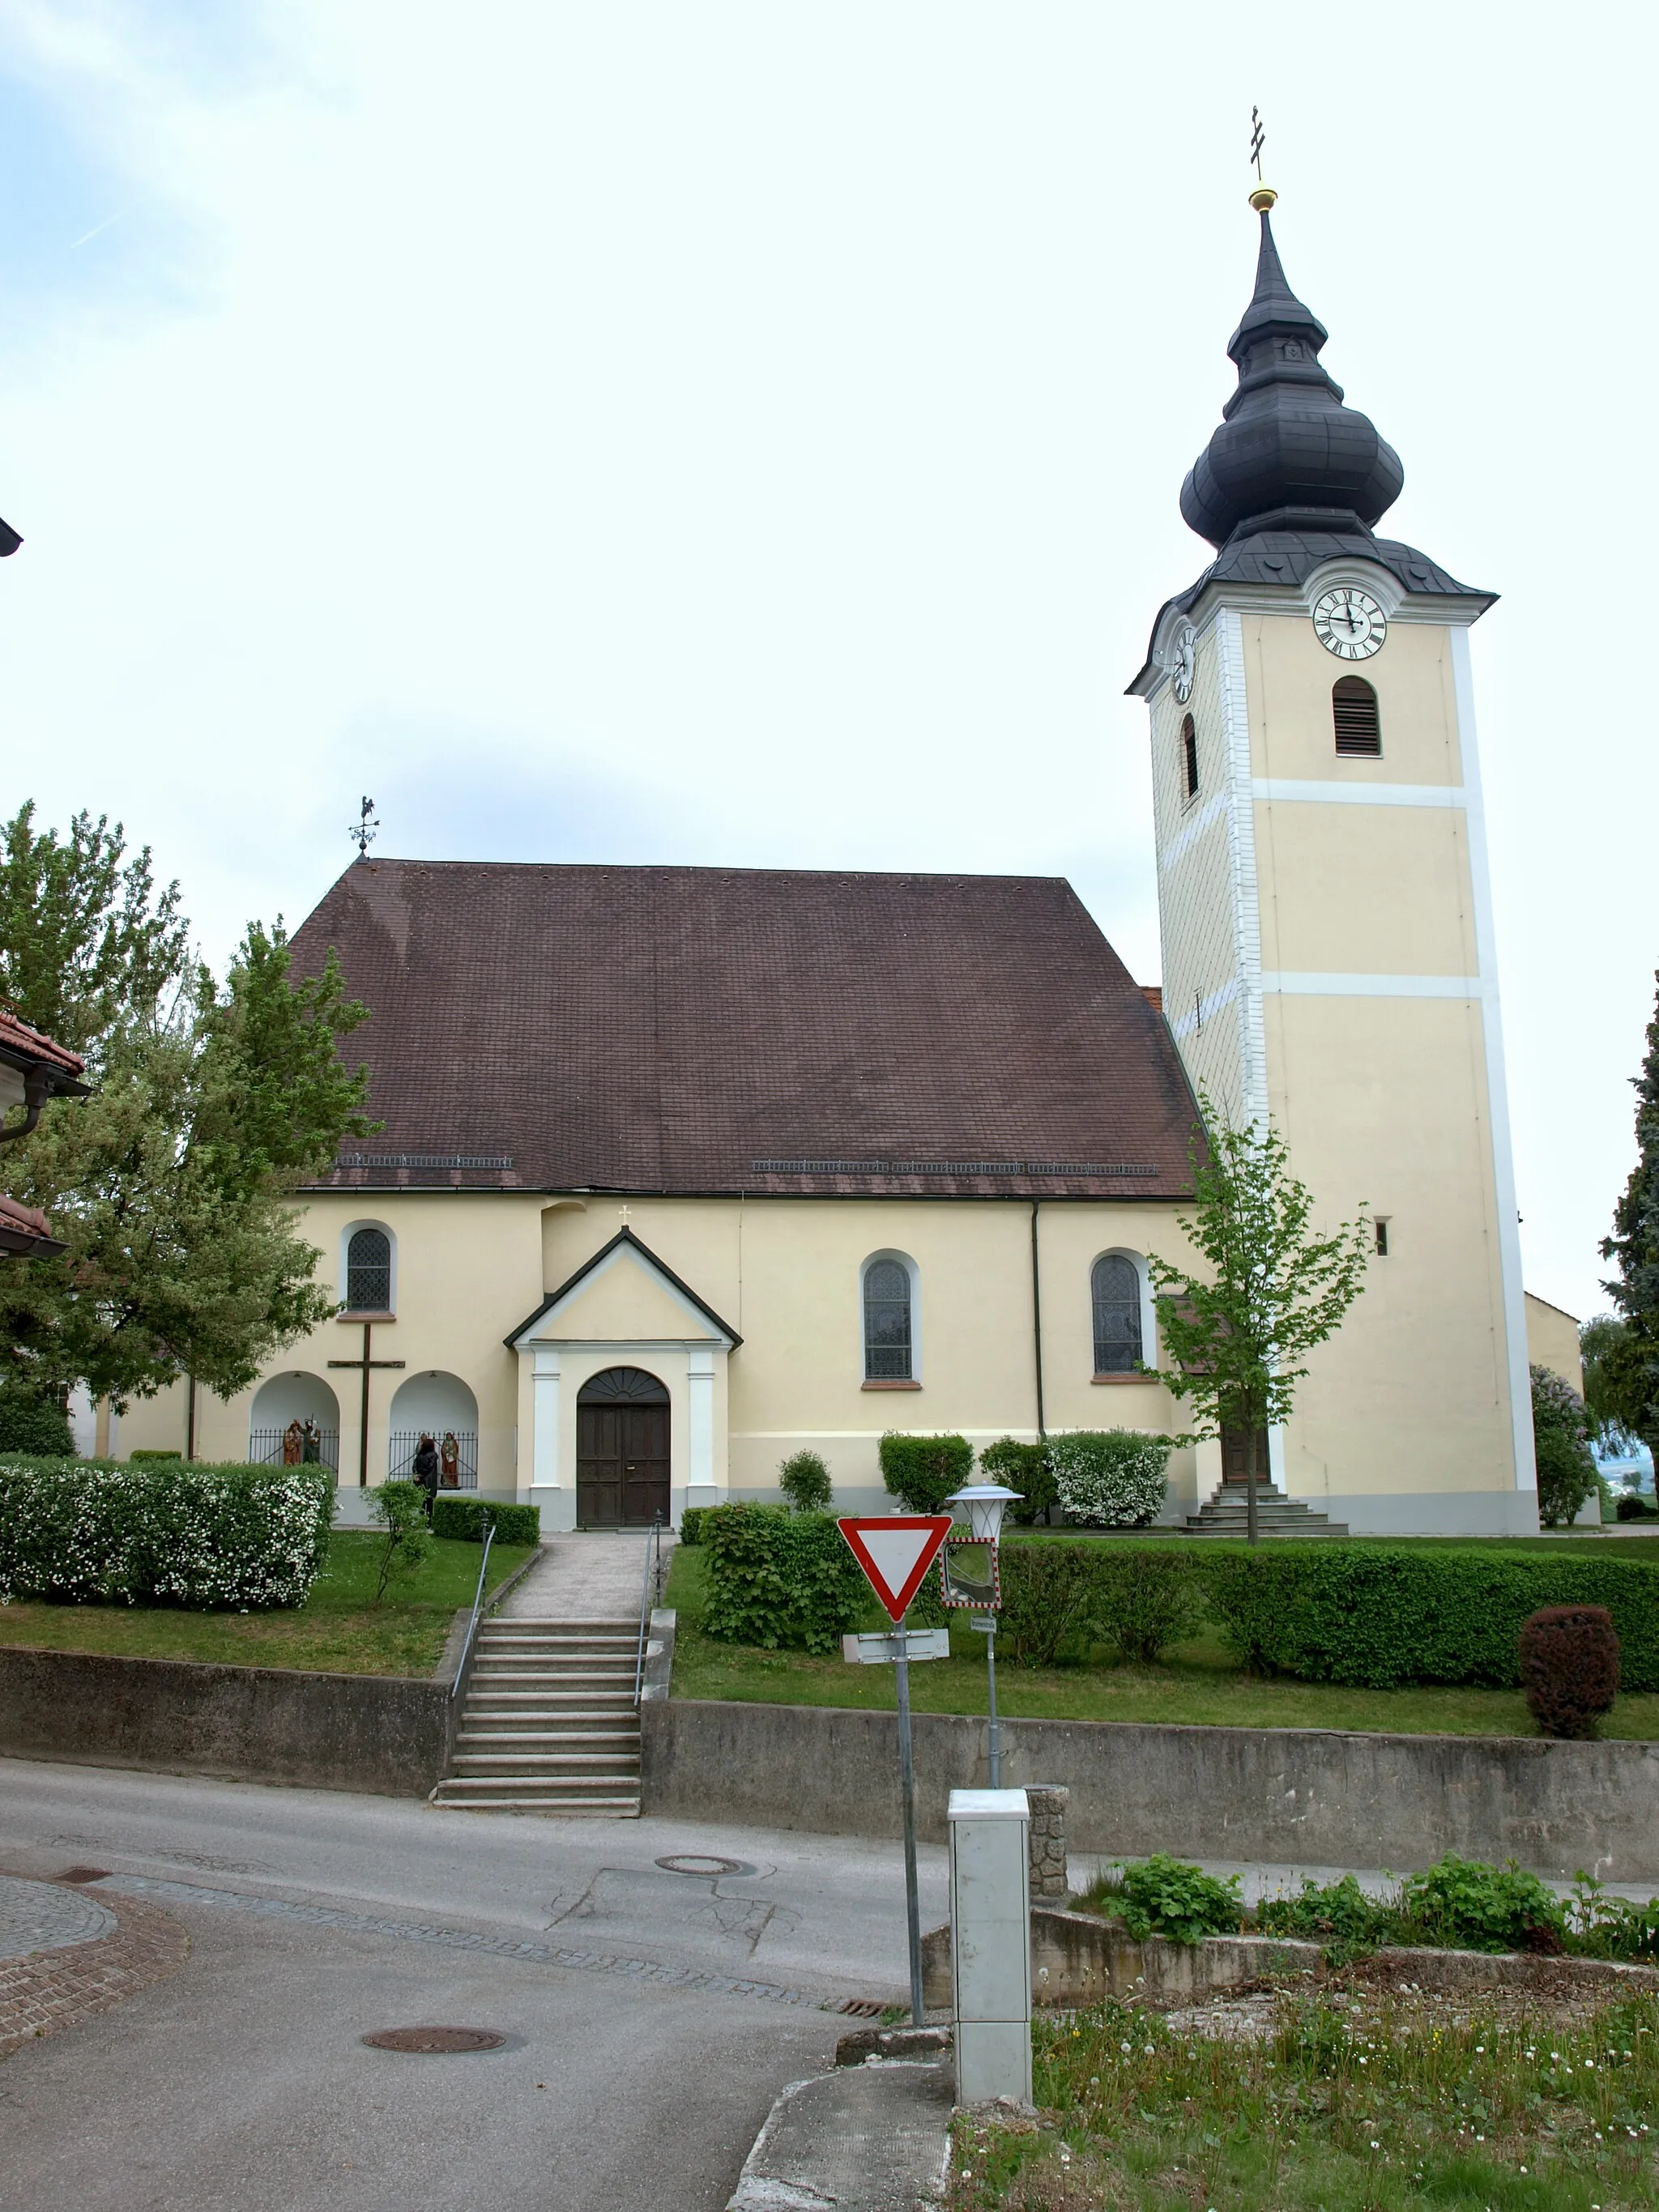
632, 2080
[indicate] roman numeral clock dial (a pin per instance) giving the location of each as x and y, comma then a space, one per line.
1349, 623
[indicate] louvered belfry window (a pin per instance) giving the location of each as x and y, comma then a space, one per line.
1115, 1283
1190, 754
887, 1321
1354, 709
368, 1272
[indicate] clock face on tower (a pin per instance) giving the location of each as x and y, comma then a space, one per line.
1349, 623
1182, 653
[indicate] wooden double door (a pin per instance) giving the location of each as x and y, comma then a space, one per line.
621, 1450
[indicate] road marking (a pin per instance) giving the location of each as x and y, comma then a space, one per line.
460, 1939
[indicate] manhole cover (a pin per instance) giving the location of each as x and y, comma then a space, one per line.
435, 2039
690, 1862
84, 1873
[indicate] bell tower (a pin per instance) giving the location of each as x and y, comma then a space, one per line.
1326, 924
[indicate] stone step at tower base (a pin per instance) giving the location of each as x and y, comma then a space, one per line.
1227, 1514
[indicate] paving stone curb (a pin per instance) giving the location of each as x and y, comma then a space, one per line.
50, 1991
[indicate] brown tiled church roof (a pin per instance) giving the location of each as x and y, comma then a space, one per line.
718, 1029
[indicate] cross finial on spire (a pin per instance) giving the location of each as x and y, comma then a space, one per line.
1261, 196
365, 829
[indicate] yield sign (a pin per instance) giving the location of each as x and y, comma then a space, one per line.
895, 1550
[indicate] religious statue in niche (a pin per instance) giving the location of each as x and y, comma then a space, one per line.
451, 1461
311, 1453
294, 1444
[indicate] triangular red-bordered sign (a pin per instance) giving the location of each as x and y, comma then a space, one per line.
895, 1550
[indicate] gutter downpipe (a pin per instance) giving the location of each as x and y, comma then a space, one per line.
1037, 1323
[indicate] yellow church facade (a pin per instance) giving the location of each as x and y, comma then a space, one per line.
684, 1170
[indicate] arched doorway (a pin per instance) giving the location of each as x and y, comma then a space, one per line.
621, 1450
441, 1407
281, 1403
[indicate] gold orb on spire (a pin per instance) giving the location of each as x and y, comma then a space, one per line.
1262, 196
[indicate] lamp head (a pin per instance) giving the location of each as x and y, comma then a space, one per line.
986, 1503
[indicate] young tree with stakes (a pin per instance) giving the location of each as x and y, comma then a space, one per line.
1235, 1337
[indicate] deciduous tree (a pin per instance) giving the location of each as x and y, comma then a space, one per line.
1237, 1330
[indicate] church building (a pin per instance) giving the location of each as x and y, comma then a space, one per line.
685, 1169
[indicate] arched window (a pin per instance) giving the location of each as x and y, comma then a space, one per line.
1353, 710
888, 1338
1190, 754
368, 1272
1115, 1284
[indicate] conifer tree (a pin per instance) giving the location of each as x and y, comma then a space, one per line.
1632, 1361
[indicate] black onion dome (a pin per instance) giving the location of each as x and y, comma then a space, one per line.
1287, 441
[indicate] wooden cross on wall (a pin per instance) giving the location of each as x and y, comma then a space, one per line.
365, 1364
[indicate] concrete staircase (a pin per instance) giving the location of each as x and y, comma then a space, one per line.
1227, 1514
550, 1723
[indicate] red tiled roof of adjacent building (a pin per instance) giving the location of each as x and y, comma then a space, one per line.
723, 1030
18, 1041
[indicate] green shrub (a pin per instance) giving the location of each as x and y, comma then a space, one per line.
1469, 1906
781, 1580
805, 1481
1603, 1927
465, 1520
1145, 1598
1376, 1616
1024, 1467
32, 1425
1162, 1896
88, 1532
149, 1458
1110, 1478
1565, 1462
692, 1527
921, 1472
1051, 1600
1339, 1916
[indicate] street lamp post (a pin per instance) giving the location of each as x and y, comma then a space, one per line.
986, 1503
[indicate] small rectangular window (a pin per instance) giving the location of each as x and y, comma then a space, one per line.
1380, 1226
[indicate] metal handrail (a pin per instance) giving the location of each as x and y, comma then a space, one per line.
646, 1594
472, 1625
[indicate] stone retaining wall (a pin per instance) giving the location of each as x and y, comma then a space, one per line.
386, 1733
1295, 1796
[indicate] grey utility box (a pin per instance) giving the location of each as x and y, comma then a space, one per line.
991, 1944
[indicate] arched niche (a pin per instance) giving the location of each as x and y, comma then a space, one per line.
284, 1400
440, 1406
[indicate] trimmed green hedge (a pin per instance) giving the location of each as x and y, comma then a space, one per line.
212, 1538
465, 1518
921, 1472
691, 1525
1060, 1598
1371, 1617
778, 1579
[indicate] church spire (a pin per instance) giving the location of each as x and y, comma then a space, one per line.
1287, 447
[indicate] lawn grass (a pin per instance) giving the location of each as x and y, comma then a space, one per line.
1334, 2111
339, 1630
1199, 1685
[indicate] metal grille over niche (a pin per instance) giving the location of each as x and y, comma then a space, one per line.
404, 1444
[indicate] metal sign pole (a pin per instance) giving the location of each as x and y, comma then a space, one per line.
907, 1785
996, 1738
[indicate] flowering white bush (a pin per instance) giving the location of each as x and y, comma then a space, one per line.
1111, 1478
84, 1532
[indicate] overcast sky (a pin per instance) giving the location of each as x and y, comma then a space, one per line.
752, 434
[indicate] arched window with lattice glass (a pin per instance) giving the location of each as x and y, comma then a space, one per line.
889, 1338
1115, 1284
368, 1272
